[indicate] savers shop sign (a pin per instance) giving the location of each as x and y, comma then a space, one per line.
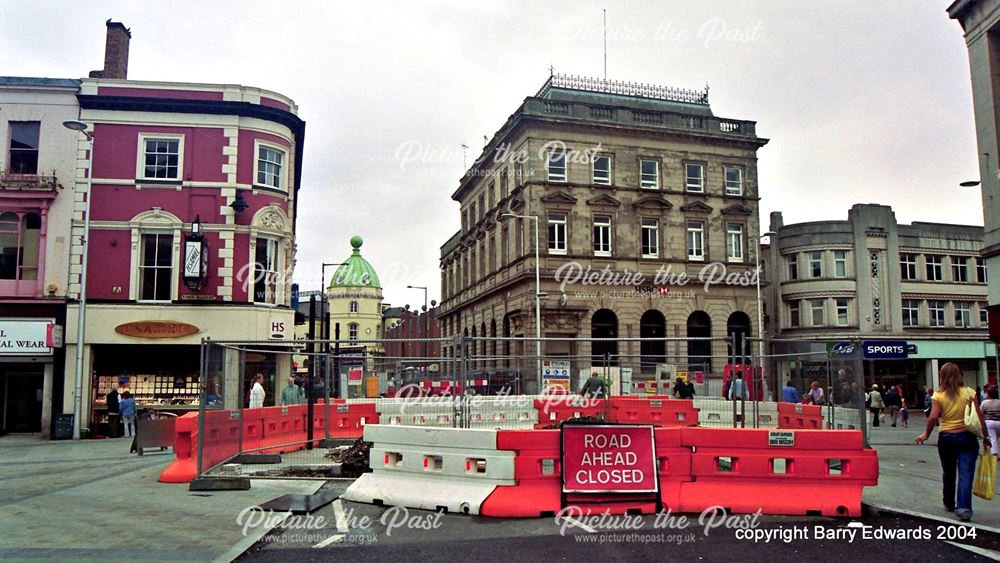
608, 459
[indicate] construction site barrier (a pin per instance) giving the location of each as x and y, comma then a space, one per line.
798, 415
454, 470
537, 490
655, 410
801, 472
555, 410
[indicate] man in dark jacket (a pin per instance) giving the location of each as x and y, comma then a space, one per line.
593, 388
892, 402
113, 414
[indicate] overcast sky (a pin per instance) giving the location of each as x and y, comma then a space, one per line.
863, 101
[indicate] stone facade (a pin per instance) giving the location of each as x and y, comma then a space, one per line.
616, 176
872, 278
980, 19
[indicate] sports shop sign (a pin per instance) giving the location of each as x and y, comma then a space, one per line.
608, 459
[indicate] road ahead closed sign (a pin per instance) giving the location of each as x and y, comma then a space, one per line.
608, 459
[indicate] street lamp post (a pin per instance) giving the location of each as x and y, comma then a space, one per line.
427, 327
538, 300
760, 311
84, 247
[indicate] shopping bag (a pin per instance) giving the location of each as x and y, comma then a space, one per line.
985, 485
972, 423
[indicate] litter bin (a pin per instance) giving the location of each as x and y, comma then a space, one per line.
63, 427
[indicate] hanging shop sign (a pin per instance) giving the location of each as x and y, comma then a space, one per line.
156, 329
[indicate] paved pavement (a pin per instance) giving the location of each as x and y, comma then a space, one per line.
93, 501
910, 475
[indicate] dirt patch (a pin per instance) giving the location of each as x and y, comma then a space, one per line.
581, 420
354, 460
304, 472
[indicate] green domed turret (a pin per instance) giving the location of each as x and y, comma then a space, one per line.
356, 271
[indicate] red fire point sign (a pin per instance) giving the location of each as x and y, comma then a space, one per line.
608, 459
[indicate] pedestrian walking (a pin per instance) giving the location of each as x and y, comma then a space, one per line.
593, 388
816, 393
738, 388
790, 394
957, 447
683, 389
875, 404
127, 407
257, 393
114, 416
893, 402
292, 394
904, 416
991, 413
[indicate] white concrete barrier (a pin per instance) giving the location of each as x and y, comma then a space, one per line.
432, 468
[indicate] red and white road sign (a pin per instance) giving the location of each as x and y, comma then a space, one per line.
608, 459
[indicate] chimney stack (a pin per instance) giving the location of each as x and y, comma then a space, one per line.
115, 52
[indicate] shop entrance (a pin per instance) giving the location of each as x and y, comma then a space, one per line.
22, 403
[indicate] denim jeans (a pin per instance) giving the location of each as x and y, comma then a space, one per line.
958, 452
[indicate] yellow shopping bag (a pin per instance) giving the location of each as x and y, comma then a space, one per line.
985, 485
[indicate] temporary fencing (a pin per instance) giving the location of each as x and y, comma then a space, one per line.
519, 473
448, 469
474, 383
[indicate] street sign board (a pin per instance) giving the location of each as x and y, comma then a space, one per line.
608, 459
884, 349
555, 374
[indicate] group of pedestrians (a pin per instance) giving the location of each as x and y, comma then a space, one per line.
892, 404
121, 410
814, 396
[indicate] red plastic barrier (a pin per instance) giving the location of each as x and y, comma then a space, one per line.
284, 428
347, 420
184, 468
538, 471
556, 409
658, 410
779, 472
797, 415
673, 461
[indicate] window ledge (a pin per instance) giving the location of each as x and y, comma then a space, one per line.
270, 189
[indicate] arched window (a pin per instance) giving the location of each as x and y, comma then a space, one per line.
738, 330
604, 324
699, 325
652, 352
354, 306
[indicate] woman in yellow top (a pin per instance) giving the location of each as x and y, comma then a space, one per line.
957, 448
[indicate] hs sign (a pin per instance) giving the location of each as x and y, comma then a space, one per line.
277, 330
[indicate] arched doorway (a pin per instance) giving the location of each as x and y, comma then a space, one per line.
652, 324
604, 324
738, 330
699, 325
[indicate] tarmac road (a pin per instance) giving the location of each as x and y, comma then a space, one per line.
385, 536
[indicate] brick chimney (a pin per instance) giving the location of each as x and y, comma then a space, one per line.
115, 52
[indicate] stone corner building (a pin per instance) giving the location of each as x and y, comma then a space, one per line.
620, 176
